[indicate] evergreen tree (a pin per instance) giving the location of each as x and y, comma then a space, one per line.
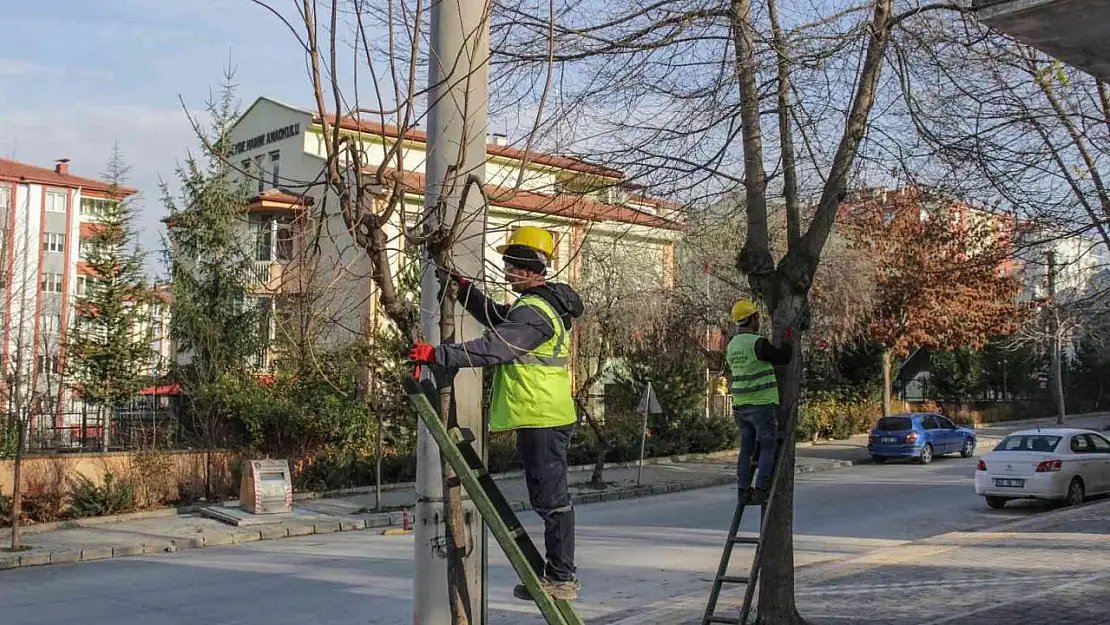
215, 328
109, 346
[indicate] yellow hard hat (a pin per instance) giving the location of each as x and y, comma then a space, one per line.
532, 237
743, 309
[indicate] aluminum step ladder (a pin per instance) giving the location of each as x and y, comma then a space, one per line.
734, 538
498, 515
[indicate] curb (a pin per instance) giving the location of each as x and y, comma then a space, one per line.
277, 531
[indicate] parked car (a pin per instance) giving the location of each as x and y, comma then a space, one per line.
919, 435
1060, 464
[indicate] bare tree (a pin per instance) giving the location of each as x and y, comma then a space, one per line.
623, 290
34, 387
669, 90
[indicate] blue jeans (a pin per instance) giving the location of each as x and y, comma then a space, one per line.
758, 426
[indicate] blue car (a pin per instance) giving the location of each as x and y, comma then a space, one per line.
919, 435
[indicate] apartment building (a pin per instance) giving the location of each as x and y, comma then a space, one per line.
45, 214
281, 149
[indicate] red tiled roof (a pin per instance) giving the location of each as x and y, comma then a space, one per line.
12, 170
413, 134
569, 206
276, 195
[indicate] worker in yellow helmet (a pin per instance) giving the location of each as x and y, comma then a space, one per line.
527, 345
755, 397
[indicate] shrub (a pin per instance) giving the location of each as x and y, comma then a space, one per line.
836, 414
89, 499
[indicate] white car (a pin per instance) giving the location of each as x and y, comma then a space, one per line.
1065, 464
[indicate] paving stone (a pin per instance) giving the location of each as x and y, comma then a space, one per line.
65, 556
300, 530
34, 559
123, 551
271, 532
98, 553
217, 538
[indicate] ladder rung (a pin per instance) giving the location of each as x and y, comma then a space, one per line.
517, 533
734, 579
732, 620
743, 540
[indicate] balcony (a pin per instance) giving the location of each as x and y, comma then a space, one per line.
277, 277
1073, 31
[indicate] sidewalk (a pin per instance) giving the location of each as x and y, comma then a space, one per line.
1042, 570
168, 531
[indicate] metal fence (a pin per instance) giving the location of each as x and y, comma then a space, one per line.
147, 422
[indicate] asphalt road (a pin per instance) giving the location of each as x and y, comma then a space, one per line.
630, 553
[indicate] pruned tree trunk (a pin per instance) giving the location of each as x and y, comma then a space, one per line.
776, 584
600, 450
17, 478
888, 357
458, 590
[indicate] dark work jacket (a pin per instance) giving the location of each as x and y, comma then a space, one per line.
512, 334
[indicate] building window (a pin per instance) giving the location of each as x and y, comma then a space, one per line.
259, 172
48, 364
5, 199
53, 242
284, 239
56, 201
52, 283
275, 167
94, 207
262, 229
51, 323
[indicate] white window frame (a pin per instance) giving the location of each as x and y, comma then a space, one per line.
52, 282
51, 207
275, 168
50, 323
54, 242
5, 197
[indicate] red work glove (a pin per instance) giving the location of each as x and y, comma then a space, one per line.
458, 279
423, 353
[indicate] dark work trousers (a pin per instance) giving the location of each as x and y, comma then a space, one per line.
758, 427
544, 454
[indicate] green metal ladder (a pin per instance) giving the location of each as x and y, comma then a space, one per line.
752, 578
455, 444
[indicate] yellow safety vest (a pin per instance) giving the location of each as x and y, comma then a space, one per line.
753, 380
534, 390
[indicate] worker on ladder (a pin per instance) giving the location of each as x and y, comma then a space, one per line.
527, 344
755, 397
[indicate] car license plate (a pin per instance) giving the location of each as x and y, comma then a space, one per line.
888, 439
1005, 483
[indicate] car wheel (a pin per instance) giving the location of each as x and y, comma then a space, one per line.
879, 459
997, 502
968, 449
1076, 494
926, 454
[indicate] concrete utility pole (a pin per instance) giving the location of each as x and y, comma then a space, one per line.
458, 77
1054, 330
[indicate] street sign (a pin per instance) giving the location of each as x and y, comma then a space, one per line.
649, 404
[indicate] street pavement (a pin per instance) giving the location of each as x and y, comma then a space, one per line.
632, 554
637, 557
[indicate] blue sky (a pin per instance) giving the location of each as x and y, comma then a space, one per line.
78, 75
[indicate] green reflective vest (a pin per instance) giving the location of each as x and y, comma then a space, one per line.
534, 390
753, 380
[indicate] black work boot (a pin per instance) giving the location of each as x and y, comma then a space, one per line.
759, 496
